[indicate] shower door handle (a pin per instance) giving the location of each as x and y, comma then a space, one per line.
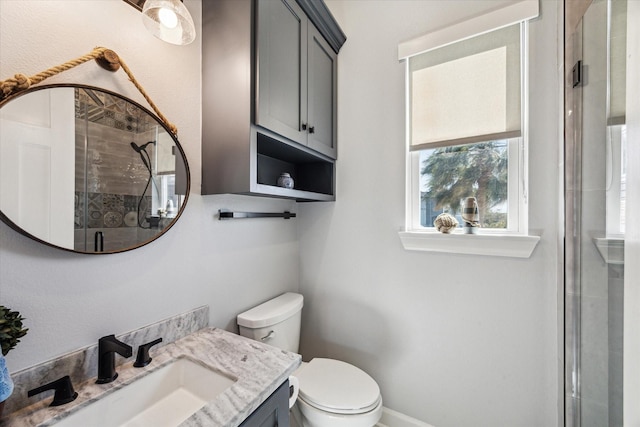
98, 242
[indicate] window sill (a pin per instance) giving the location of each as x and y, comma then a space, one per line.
500, 245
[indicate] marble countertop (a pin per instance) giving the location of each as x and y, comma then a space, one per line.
259, 368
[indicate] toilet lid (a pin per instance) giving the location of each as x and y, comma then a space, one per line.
338, 387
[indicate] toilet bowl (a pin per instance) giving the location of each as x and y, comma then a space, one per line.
309, 416
332, 393
335, 393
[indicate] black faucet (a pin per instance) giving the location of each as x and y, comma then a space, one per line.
64, 392
108, 346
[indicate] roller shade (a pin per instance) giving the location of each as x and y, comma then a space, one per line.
465, 81
466, 92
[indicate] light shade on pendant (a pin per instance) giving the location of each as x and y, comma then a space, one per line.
169, 20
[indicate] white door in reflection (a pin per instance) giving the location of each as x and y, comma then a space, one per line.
35, 131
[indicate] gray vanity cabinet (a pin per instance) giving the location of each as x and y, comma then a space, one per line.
269, 97
297, 85
274, 412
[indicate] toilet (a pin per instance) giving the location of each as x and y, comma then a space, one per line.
332, 393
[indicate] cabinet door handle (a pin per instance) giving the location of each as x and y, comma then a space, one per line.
304, 126
312, 129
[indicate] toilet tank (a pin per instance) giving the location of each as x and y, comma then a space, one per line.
275, 322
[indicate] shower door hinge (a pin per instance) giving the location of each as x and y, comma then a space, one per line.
577, 74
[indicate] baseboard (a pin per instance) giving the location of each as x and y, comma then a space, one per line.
391, 418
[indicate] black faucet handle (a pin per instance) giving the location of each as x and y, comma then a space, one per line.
142, 358
64, 392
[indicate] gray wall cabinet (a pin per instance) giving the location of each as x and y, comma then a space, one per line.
274, 412
296, 74
269, 97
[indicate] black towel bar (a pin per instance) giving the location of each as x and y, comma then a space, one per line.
223, 214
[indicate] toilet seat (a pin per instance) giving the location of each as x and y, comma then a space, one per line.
337, 387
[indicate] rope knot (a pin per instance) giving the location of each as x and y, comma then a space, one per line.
22, 82
15, 84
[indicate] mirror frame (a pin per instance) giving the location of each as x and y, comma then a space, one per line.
25, 233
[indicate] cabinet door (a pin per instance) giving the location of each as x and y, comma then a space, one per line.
322, 94
282, 68
274, 412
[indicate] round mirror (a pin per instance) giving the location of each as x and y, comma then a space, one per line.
87, 170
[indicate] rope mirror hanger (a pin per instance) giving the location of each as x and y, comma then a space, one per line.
106, 58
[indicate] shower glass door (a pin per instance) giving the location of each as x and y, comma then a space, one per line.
595, 190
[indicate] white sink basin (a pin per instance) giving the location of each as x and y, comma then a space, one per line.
164, 398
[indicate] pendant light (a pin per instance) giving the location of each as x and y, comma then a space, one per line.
169, 20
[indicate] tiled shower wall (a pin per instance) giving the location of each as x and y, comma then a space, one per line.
114, 177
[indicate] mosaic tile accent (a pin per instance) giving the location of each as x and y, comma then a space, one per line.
113, 202
94, 210
130, 203
113, 219
108, 210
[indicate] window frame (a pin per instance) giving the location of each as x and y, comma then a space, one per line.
514, 241
516, 185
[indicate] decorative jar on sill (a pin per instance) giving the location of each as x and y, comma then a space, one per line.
285, 180
470, 216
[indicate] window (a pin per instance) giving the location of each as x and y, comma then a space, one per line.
444, 177
465, 131
616, 180
164, 198
466, 116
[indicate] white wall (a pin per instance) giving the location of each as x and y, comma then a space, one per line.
452, 340
71, 300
